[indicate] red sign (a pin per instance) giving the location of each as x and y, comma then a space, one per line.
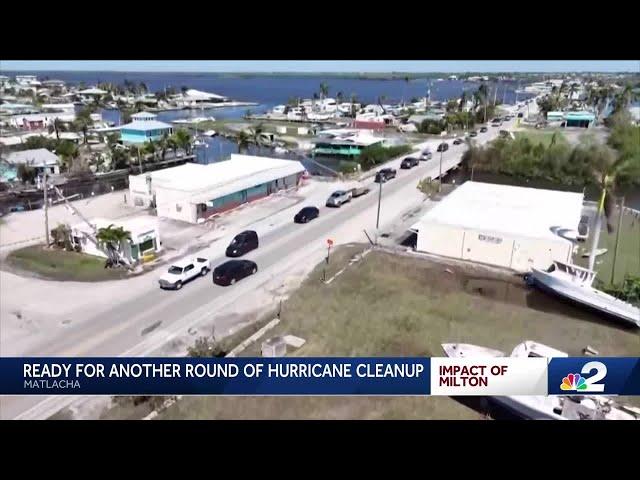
329, 242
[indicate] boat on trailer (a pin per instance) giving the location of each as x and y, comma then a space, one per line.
540, 407
575, 284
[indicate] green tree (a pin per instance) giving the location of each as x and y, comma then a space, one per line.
112, 238
429, 187
243, 141
324, 90
150, 147
163, 145
68, 153
183, 140
26, 173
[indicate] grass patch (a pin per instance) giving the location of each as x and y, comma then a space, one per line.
388, 305
544, 138
54, 264
628, 260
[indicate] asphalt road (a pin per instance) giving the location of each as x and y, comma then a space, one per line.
138, 326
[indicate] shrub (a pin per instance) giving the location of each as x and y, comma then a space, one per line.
347, 166
377, 154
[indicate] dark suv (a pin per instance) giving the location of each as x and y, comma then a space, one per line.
242, 243
409, 162
443, 147
385, 174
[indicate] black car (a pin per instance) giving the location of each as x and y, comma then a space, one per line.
233, 270
409, 162
520, 115
385, 174
306, 215
242, 243
473, 134
483, 129
443, 147
457, 141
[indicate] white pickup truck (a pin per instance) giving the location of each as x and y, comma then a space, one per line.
181, 272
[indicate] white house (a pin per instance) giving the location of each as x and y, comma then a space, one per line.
145, 237
41, 159
506, 226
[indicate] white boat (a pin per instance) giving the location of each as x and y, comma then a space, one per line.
210, 133
575, 283
540, 407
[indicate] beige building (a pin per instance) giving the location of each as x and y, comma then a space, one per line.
506, 226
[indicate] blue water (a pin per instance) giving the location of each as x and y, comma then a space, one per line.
269, 91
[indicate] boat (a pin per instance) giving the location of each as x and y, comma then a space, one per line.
540, 407
599, 251
209, 133
575, 284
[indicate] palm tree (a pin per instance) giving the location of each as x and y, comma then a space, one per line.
463, 100
404, 90
339, 98
143, 87
243, 141
68, 152
183, 140
163, 145
324, 90
606, 171
112, 238
256, 135
150, 147
56, 127
353, 99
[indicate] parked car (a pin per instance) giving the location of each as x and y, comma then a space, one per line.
443, 147
181, 272
242, 243
409, 162
473, 133
520, 115
426, 155
306, 215
457, 141
338, 198
359, 191
231, 271
385, 174
483, 129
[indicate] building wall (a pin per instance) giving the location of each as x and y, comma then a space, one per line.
175, 204
139, 194
517, 253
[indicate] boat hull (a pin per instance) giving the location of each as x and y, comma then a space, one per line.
585, 297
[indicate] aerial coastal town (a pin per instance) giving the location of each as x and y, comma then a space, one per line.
452, 214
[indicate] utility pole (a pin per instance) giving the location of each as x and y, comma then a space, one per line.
615, 251
379, 201
46, 208
440, 175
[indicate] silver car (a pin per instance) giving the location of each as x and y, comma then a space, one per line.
338, 198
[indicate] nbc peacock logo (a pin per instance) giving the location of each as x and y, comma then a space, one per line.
573, 381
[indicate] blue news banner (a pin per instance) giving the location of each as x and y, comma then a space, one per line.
214, 376
290, 376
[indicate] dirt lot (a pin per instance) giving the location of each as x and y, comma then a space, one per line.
391, 305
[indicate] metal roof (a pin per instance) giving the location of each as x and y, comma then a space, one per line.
144, 125
38, 157
520, 211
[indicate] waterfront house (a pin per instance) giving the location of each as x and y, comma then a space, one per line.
580, 119
141, 131
198, 99
41, 159
143, 116
350, 145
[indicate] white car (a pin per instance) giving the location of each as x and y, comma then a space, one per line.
338, 198
181, 272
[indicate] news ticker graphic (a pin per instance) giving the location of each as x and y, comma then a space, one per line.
487, 376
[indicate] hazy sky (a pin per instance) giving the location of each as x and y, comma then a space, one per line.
326, 66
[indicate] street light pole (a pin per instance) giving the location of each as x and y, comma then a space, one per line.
440, 175
379, 201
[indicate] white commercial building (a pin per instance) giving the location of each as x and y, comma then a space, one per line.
144, 231
506, 226
193, 192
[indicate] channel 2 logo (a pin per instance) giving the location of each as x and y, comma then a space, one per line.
578, 382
